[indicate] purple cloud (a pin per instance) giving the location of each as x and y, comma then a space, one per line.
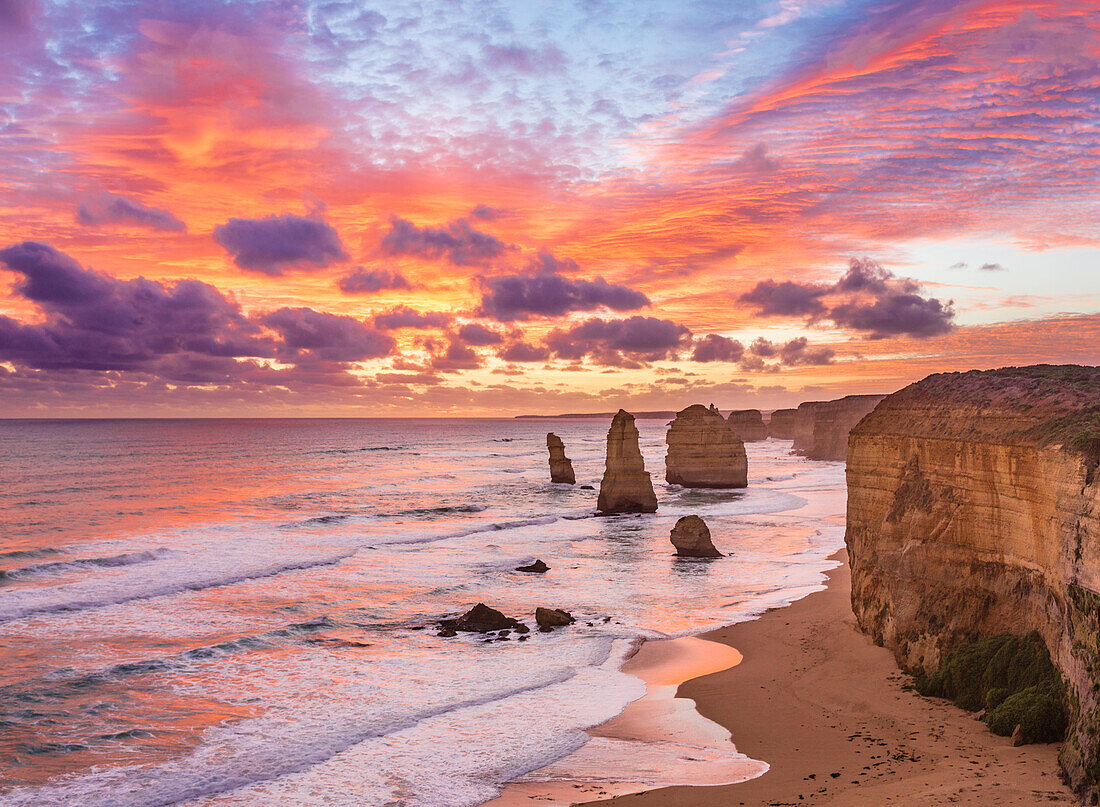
785, 298
456, 242
523, 59
475, 334
641, 338
896, 314
523, 352
456, 357
309, 334
270, 245
714, 347
368, 281
542, 291
111, 209
402, 316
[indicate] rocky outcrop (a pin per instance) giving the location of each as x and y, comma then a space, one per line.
748, 425
550, 618
832, 422
803, 427
703, 451
691, 537
480, 619
561, 468
781, 424
974, 509
626, 486
538, 567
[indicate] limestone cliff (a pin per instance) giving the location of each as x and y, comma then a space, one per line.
626, 486
974, 509
833, 420
803, 427
561, 467
703, 451
781, 424
748, 424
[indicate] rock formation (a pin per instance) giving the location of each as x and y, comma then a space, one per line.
553, 618
748, 425
703, 451
538, 567
973, 510
691, 537
781, 424
480, 619
561, 468
833, 420
626, 486
803, 426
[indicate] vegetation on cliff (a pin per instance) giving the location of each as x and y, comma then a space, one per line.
1009, 676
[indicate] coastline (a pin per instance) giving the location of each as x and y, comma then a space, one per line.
828, 711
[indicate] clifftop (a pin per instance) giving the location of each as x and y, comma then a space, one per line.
1041, 405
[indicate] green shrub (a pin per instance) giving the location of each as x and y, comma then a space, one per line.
1041, 716
1012, 677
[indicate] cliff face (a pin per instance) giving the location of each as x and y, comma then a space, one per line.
781, 424
748, 424
833, 420
802, 431
626, 486
974, 509
703, 451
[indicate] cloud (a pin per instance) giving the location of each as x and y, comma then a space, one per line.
798, 352
456, 357
455, 241
475, 334
402, 316
368, 281
523, 352
867, 297
609, 342
785, 298
487, 213
991, 267
523, 59
271, 245
714, 347
308, 334
542, 291
109, 209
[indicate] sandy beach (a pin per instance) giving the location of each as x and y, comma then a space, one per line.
830, 714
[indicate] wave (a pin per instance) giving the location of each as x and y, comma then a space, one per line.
61, 566
30, 553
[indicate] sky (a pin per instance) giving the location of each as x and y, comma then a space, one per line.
490, 208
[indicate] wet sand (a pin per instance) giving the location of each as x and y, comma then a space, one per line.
828, 711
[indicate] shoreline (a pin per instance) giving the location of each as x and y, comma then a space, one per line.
831, 715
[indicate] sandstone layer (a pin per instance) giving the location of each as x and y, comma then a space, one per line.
691, 537
626, 486
832, 422
748, 424
974, 509
704, 452
561, 467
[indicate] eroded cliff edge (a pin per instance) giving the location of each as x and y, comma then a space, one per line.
974, 509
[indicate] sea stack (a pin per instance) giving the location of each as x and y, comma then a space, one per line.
833, 420
691, 537
561, 468
626, 486
781, 424
748, 424
704, 452
973, 512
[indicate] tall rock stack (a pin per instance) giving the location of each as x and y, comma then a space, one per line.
626, 486
781, 424
703, 451
803, 432
561, 468
833, 420
748, 424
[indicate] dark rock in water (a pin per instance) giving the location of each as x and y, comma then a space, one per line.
585, 487
523, 638
561, 468
521, 628
447, 633
546, 629
538, 567
691, 537
480, 619
553, 617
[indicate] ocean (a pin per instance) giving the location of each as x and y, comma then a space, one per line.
240, 612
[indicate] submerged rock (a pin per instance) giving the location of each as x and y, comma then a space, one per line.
538, 567
691, 537
561, 467
479, 619
553, 618
626, 486
703, 451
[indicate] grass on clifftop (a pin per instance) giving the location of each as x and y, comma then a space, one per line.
1012, 678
